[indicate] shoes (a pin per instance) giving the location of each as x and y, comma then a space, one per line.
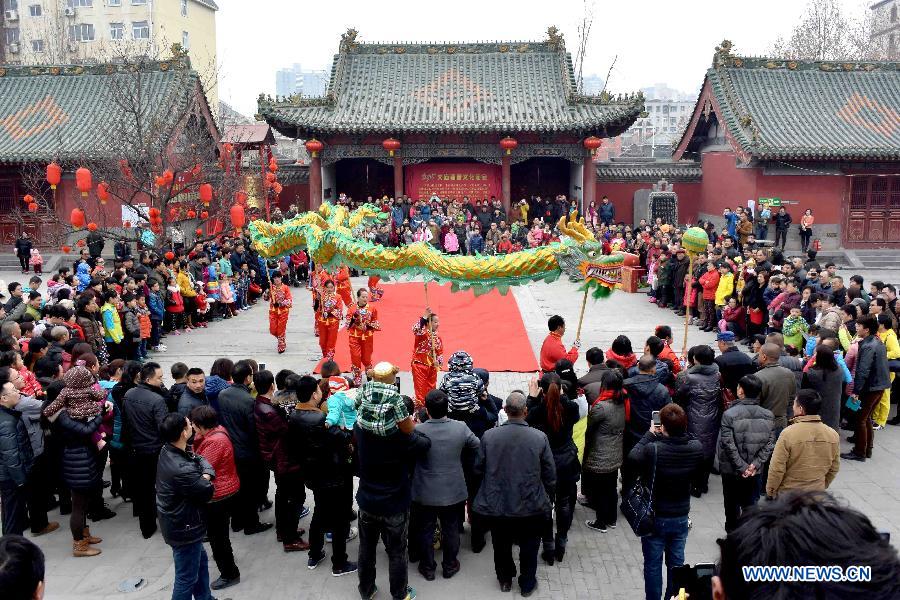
149, 534
81, 549
547, 557
221, 583
258, 528
91, 539
428, 575
106, 483
300, 533
560, 553
314, 561
298, 546
612, 525
596, 526
453, 570
410, 593
373, 594
695, 492
877, 427
527, 593
852, 456
50, 528
505, 586
478, 544
264, 506
348, 568
102, 514
303, 512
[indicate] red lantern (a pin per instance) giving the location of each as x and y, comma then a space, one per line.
204, 215
153, 213
76, 218
83, 180
199, 232
273, 164
191, 214
206, 193
240, 197
160, 181
103, 192
32, 207
29, 199
278, 188
238, 218
66, 249
391, 145
168, 176
127, 224
314, 146
80, 243
270, 177
92, 227
173, 212
509, 144
169, 255
54, 174
592, 143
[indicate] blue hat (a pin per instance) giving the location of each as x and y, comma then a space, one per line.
725, 336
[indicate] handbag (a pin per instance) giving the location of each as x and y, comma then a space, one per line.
756, 316
637, 504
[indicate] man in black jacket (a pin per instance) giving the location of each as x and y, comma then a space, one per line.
679, 271
16, 460
871, 378
669, 460
184, 486
733, 364
384, 496
194, 393
646, 394
236, 415
145, 409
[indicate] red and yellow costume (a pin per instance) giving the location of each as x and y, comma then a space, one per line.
362, 323
280, 305
428, 356
553, 350
328, 319
342, 282
375, 292
316, 281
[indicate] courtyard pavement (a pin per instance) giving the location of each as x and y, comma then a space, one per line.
596, 565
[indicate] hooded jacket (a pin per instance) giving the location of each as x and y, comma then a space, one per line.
462, 386
701, 396
645, 394
83, 275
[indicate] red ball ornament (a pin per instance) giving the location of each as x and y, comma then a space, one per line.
92, 227
204, 215
168, 176
173, 213
153, 212
127, 224
32, 207
28, 199
199, 232
191, 214
66, 249
240, 197
80, 243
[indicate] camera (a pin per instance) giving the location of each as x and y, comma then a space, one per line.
696, 580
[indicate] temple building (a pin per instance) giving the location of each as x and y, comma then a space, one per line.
818, 135
501, 119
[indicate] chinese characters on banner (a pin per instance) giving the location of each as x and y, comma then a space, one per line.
452, 180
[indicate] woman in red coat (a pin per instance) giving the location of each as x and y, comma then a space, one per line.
328, 318
709, 281
212, 443
280, 303
362, 323
428, 355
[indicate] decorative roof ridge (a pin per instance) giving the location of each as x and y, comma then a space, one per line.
774, 64
174, 64
351, 45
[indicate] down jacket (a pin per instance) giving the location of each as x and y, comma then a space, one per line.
462, 386
701, 396
645, 395
15, 449
747, 437
80, 467
603, 438
181, 495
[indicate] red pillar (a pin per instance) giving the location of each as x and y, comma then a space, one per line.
398, 176
588, 181
505, 182
315, 183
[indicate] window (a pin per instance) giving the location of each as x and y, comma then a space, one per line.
83, 32
12, 35
185, 40
34, 10
11, 4
117, 31
140, 30
138, 2
183, 8
114, 2
79, 3
37, 45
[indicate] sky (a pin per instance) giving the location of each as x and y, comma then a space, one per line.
652, 41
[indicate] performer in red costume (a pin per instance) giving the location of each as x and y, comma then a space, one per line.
315, 287
280, 303
552, 349
428, 355
328, 318
375, 292
362, 323
344, 289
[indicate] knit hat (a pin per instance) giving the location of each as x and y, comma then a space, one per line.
725, 336
338, 384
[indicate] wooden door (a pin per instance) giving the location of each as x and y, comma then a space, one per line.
873, 217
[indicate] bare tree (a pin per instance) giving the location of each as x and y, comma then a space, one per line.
827, 32
152, 161
584, 35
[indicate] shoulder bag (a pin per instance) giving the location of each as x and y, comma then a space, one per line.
637, 503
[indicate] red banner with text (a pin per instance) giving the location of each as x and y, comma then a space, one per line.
452, 180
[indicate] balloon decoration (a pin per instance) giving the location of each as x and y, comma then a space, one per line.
168, 176
103, 192
173, 213
270, 178
273, 164
83, 180
153, 213
76, 218
206, 193
125, 170
54, 174
92, 227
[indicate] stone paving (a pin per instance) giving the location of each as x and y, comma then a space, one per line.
596, 565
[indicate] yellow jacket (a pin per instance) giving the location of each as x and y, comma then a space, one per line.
725, 289
891, 345
184, 285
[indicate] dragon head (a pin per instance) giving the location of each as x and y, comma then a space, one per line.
581, 258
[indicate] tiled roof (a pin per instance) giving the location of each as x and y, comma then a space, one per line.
259, 133
63, 112
649, 171
808, 110
503, 87
293, 174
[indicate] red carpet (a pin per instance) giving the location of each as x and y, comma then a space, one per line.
488, 327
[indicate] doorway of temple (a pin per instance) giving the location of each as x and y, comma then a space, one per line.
360, 178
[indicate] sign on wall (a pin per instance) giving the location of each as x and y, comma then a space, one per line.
452, 180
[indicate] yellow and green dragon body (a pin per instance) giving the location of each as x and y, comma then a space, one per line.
331, 238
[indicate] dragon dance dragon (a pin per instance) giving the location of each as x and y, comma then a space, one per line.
332, 237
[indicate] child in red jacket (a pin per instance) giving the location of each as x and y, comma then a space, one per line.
709, 281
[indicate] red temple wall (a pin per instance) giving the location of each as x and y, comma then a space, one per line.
621, 194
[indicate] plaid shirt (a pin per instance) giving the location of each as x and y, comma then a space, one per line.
380, 406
